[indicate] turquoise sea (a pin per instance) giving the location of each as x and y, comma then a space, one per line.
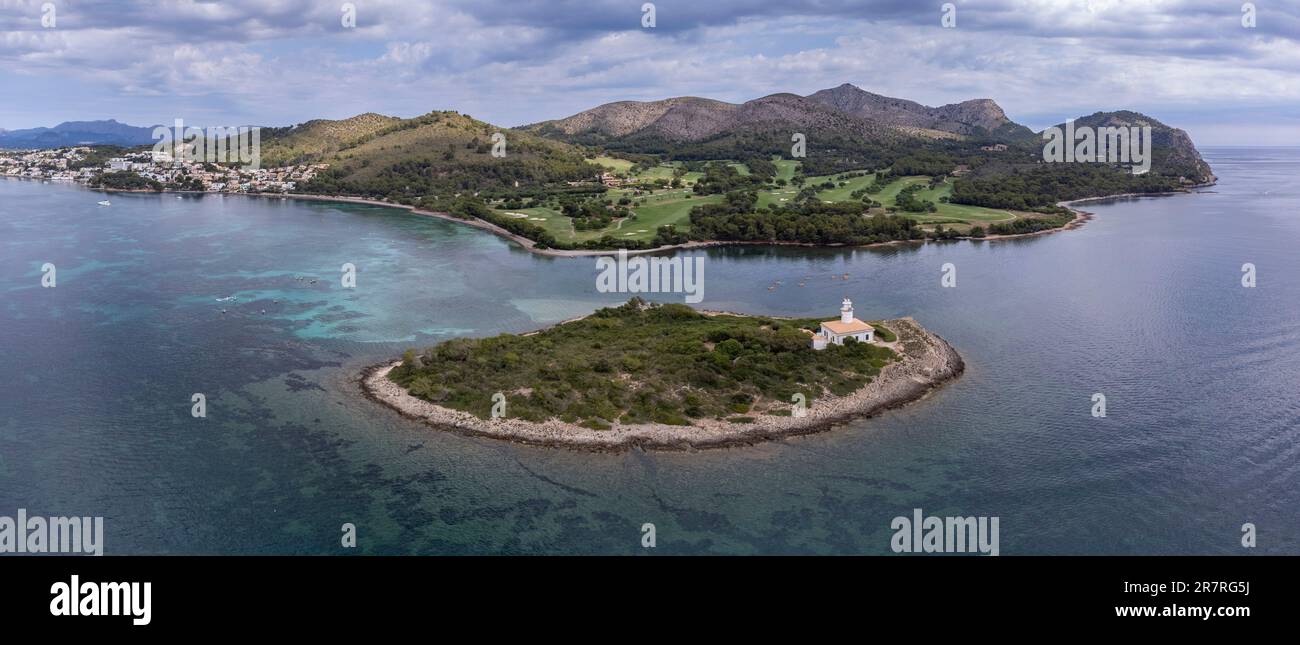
1143, 304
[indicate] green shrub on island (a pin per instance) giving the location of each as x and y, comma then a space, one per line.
641, 363
883, 333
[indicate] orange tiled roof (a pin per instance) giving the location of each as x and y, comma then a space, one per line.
853, 327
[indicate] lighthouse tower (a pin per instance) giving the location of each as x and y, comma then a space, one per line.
835, 332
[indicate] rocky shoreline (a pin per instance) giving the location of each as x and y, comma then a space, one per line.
928, 362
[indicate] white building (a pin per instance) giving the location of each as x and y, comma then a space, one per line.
837, 331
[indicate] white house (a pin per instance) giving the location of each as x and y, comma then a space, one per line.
836, 331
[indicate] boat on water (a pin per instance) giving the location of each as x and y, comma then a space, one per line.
105, 203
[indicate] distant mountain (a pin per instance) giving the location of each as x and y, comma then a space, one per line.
976, 118
845, 109
71, 133
697, 119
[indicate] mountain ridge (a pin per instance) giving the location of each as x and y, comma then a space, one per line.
690, 118
974, 117
71, 133
851, 127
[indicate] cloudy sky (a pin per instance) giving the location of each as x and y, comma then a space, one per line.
1190, 63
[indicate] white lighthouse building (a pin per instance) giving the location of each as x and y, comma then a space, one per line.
836, 331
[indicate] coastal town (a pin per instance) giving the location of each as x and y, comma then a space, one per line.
160, 171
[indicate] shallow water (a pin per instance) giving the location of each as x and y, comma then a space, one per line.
1143, 304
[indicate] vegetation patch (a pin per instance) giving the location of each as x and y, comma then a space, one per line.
884, 334
124, 180
641, 363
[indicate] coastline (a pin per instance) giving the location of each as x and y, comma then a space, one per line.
1081, 217
928, 362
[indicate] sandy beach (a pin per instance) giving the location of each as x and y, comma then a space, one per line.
927, 363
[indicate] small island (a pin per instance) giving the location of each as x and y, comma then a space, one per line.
666, 376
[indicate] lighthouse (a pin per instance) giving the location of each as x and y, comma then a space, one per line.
835, 332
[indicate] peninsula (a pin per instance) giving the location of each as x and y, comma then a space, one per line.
666, 377
863, 169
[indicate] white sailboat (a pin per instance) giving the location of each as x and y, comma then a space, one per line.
105, 203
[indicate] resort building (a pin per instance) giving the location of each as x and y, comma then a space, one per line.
837, 331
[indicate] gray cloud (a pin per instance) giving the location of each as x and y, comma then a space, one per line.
281, 61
